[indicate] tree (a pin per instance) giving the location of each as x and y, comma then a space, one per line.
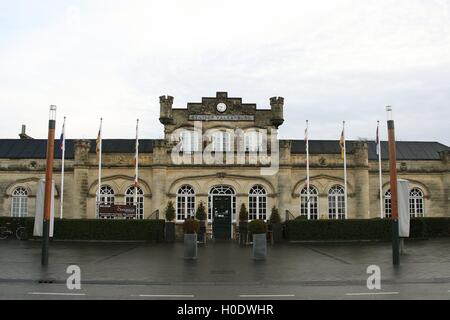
170, 211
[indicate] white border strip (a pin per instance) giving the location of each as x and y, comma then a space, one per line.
56, 294
266, 295
164, 295
370, 293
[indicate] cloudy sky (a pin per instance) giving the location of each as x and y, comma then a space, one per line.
331, 60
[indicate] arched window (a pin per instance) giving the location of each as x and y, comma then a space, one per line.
254, 141
185, 203
336, 203
387, 204
222, 141
222, 191
106, 195
19, 205
257, 203
129, 200
313, 202
190, 141
416, 207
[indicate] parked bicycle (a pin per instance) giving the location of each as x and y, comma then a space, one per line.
7, 231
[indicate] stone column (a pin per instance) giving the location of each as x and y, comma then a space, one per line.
159, 188
284, 180
359, 202
81, 175
445, 157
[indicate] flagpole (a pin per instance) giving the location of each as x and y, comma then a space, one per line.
379, 169
63, 149
307, 172
136, 177
345, 172
99, 166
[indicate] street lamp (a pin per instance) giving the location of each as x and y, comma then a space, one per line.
48, 184
393, 182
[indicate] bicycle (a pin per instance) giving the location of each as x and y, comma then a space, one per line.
7, 231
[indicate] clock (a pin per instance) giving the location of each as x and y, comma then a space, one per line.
221, 107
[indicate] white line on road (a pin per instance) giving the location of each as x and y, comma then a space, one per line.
266, 295
369, 293
163, 295
57, 294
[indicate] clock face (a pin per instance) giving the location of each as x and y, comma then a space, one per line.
221, 107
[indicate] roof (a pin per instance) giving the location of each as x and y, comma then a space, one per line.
406, 150
37, 148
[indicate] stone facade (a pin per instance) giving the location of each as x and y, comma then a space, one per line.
160, 178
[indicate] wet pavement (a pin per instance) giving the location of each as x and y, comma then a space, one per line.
224, 270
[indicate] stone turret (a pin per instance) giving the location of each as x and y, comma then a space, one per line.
276, 105
165, 116
361, 152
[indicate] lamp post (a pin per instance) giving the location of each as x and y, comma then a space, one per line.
393, 182
48, 184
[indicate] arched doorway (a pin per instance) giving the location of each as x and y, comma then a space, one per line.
221, 210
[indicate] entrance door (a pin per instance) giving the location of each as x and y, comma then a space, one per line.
221, 217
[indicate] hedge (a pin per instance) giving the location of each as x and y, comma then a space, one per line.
362, 229
95, 229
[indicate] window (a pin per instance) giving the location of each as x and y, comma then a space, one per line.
221, 141
257, 203
336, 203
189, 141
222, 190
129, 200
253, 141
19, 206
387, 204
416, 207
313, 202
185, 203
106, 195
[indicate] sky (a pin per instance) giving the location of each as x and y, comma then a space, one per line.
330, 60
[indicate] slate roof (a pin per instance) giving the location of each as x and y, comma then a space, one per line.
406, 150
36, 148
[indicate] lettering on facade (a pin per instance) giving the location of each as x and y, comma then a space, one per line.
221, 117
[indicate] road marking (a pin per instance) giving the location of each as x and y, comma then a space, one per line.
369, 293
57, 294
266, 295
163, 295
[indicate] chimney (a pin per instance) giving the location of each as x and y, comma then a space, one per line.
23, 134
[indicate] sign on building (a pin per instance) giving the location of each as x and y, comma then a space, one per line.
117, 211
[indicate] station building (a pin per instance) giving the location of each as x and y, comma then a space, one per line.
223, 152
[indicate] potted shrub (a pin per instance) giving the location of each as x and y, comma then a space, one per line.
170, 224
200, 215
275, 226
190, 228
258, 229
243, 225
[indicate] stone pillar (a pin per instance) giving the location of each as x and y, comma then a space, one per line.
359, 201
159, 188
81, 182
445, 157
284, 179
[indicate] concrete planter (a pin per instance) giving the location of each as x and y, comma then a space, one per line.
190, 246
243, 232
259, 246
277, 232
169, 232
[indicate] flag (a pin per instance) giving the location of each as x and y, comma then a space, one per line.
99, 139
62, 137
306, 133
342, 143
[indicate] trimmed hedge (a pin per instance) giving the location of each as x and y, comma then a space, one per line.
95, 229
363, 229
